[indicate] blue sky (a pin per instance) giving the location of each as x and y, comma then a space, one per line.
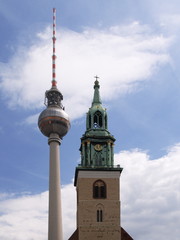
133, 46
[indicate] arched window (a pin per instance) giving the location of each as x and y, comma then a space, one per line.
89, 121
106, 121
99, 189
99, 213
97, 119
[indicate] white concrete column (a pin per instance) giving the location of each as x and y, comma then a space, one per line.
55, 212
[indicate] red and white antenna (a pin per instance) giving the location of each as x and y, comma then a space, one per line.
54, 50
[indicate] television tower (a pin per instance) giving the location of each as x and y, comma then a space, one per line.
54, 123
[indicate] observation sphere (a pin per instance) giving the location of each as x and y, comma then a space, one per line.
54, 120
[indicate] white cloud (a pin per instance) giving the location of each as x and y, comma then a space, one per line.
69, 210
121, 55
33, 119
149, 198
25, 217
150, 194
170, 22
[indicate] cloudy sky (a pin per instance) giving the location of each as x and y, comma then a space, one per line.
133, 46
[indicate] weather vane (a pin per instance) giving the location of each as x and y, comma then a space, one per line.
96, 77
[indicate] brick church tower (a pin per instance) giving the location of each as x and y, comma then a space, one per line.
97, 180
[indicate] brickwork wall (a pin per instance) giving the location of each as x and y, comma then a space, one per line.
88, 226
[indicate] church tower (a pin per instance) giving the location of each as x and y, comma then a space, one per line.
97, 179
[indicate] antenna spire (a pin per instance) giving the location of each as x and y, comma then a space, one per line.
54, 50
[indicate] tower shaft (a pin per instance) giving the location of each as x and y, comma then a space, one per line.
98, 211
54, 123
55, 210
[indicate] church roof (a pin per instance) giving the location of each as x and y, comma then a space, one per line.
124, 235
74, 236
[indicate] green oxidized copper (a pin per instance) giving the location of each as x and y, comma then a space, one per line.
97, 143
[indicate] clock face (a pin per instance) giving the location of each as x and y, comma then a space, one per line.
98, 147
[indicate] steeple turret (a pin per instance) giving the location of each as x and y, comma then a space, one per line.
96, 116
97, 142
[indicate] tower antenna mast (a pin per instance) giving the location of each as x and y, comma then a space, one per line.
54, 123
54, 50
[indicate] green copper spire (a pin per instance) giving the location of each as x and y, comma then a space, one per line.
96, 116
97, 143
96, 99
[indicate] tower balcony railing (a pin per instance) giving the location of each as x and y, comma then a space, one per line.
100, 166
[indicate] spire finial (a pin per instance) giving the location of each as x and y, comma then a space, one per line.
96, 99
54, 50
96, 77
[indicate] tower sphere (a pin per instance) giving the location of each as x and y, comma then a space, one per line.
54, 120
